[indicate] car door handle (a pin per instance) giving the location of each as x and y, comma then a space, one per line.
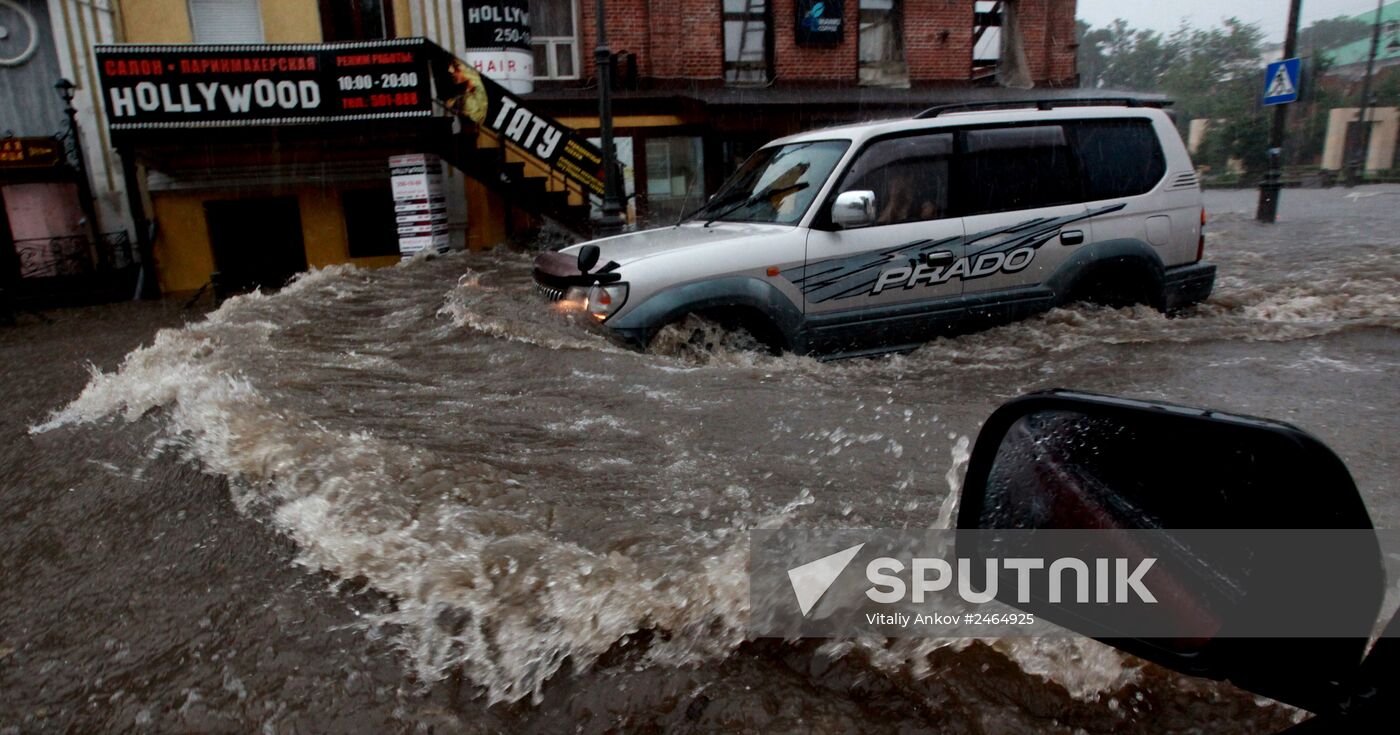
1071, 237
941, 257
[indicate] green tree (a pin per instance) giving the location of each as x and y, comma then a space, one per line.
1121, 57
1211, 73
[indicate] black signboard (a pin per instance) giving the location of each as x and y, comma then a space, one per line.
496, 24
492, 107
188, 86
820, 22
29, 152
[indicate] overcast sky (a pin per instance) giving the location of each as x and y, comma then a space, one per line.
1271, 15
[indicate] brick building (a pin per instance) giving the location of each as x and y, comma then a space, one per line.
704, 82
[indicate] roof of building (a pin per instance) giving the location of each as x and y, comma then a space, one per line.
1357, 51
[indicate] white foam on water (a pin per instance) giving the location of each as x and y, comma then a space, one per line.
482, 582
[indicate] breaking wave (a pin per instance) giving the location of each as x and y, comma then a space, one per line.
485, 578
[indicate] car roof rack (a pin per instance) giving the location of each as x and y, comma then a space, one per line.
1040, 104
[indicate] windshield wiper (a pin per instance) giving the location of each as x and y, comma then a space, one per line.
756, 198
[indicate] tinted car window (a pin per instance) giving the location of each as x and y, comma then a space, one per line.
909, 176
1006, 169
1119, 158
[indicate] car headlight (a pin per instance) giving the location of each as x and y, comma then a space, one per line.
604, 300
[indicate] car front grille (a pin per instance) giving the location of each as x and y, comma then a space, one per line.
553, 294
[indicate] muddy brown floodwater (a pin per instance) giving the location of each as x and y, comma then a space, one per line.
420, 498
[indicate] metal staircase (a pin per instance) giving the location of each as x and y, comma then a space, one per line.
513, 171
521, 179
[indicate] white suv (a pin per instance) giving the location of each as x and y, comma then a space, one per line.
880, 236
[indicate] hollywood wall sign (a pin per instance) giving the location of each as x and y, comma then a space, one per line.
202, 85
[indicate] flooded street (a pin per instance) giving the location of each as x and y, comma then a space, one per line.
423, 497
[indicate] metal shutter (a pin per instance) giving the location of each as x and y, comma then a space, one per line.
226, 21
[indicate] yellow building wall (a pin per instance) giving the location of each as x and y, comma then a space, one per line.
168, 21
323, 228
403, 19
155, 21
291, 21
486, 217
185, 258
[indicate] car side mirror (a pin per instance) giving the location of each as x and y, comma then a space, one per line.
1061, 460
588, 257
853, 209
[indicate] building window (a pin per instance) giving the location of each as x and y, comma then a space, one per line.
986, 37
356, 20
748, 44
675, 176
369, 222
554, 38
226, 21
882, 44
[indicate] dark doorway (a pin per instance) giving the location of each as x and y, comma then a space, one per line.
256, 242
9, 258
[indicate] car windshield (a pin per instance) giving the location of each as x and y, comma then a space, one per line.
777, 184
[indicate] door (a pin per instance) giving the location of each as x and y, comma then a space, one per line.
1019, 190
256, 242
888, 283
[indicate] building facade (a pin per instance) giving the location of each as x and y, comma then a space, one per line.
699, 84
56, 236
702, 84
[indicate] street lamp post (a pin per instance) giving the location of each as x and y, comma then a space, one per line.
612, 221
65, 91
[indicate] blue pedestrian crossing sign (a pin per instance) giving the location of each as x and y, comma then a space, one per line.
1281, 82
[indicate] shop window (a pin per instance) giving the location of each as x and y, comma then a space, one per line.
356, 20
748, 42
554, 38
369, 222
675, 177
882, 61
226, 21
622, 149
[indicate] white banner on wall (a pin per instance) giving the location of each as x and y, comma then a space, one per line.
420, 205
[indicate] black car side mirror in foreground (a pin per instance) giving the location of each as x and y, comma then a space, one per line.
1062, 460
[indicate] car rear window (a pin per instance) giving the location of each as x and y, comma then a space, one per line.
1118, 158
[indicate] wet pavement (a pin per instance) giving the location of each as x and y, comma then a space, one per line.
422, 498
